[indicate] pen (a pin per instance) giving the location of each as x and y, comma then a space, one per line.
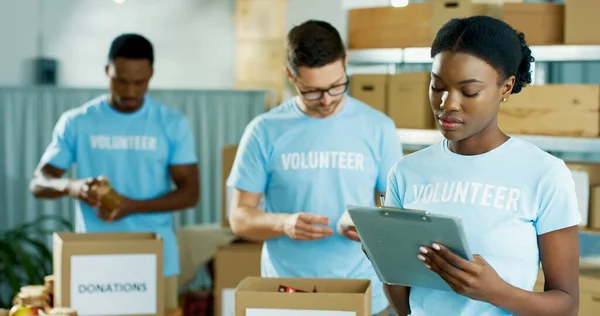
381, 200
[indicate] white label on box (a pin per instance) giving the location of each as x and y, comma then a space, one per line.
294, 312
228, 302
114, 284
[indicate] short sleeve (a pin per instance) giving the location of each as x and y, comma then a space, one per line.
182, 147
60, 153
558, 207
391, 152
392, 193
249, 171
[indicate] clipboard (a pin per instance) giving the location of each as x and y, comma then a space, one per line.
392, 236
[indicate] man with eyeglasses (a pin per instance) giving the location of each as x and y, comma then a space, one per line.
310, 157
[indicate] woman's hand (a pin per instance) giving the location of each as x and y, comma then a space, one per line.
350, 233
474, 279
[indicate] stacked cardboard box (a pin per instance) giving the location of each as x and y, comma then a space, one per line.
555, 110
411, 26
416, 24
581, 16
403, 97
542, 23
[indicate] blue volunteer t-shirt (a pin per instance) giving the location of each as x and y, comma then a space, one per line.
134, 151
317, 165
505, 197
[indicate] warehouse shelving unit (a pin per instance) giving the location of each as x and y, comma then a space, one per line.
419, 138
552, 53
575, 148
391, 57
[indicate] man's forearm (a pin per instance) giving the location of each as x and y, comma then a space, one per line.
549, 303
399, 298
255, 224
176, 200
49, 188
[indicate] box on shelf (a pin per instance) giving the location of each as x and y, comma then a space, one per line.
592, 196
228, 157
257, 296
592, 169
555, 110
542, 23
581, 17
594, 215
408, 100
390, 27
445, 10
370, 89
109, 273
229, 273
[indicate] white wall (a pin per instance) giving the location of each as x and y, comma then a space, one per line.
330, 11
18, 24
193, 39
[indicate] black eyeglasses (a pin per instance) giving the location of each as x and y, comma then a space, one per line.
333, 91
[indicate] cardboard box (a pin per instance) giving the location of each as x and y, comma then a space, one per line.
390, 27
445, 10
408, 100
581, 17
589, 292
542, 23
257, 296
370, 89
228, 157
556, 109
594, 215
592, 170
229, 273
109, 273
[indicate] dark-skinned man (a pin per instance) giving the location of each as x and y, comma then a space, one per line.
138, 144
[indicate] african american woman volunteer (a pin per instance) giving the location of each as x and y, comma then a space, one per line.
516, 201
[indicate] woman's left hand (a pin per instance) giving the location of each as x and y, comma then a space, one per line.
474, 279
